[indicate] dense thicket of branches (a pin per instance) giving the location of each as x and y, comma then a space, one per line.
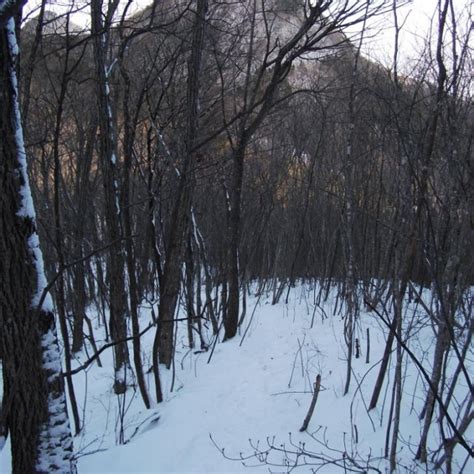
195, 147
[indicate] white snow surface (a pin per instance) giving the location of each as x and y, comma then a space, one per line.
256, 394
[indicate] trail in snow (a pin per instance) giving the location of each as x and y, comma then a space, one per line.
254, 394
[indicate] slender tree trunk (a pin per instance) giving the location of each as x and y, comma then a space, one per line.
60, 284
129, 138
108, 160
442, 343
181, 212
233, 304
79, 271
171, 276
189, 282
398, 302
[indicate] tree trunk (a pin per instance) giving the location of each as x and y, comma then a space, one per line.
182, 208
129, 138
79, 270
398, 302
442, 343
108, 160
34, 405
232, 314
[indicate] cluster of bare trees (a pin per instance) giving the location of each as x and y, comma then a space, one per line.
178, 154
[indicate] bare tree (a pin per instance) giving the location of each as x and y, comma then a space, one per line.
101, 31
316, 31
163, 345
34, 406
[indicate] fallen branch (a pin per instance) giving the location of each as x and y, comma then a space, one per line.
317, 387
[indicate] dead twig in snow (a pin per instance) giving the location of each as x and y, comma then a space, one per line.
317, 387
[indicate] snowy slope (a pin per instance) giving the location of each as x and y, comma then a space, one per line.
256, 394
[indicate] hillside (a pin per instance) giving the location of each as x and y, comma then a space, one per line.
250, 397
211, 209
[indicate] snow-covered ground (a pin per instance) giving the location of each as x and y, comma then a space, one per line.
254, 393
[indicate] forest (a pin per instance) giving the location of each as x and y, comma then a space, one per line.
171, 173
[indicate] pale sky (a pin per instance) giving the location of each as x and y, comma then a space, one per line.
415, 18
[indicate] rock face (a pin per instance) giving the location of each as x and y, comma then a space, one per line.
53, 24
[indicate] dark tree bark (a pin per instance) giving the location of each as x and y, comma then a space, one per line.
260, 94
130, 125
163, 344
108, 160
79, 230
34, 404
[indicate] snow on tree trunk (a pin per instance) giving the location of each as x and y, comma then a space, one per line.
34, 405
108, 162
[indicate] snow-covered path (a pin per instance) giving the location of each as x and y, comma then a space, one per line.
250, 394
